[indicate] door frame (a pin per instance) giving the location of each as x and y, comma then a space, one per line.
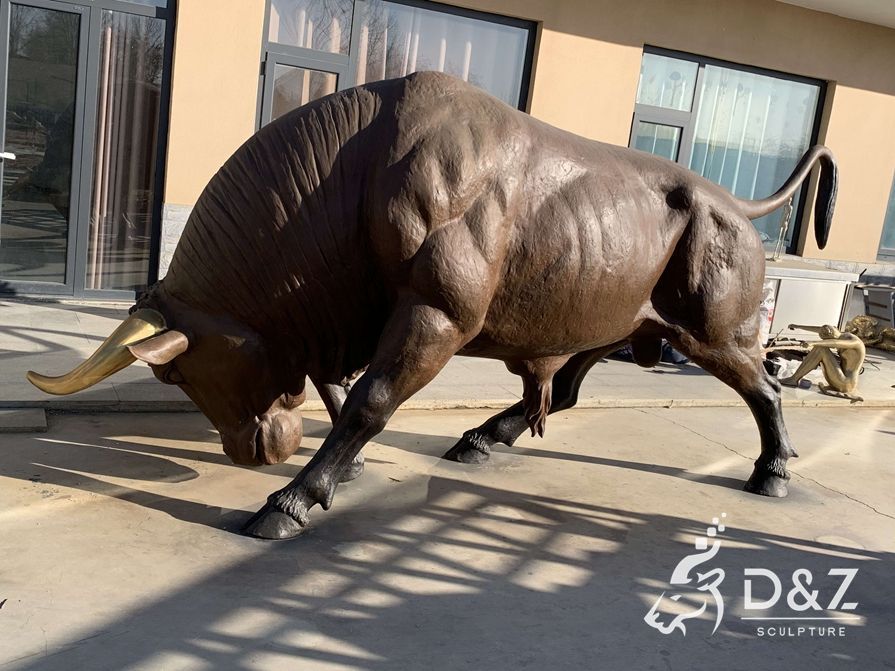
65, 288
85, 133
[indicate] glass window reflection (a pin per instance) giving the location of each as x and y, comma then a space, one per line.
667, 82
322, 25
887, 241
293, 87
751, 131
128, 111
658, 139
396, 40
42, 76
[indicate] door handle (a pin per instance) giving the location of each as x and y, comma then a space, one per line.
7, 156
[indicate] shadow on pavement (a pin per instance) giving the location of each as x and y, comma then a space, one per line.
65, 463
480, 577
684, 474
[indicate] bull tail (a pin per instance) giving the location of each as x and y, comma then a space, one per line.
826, 192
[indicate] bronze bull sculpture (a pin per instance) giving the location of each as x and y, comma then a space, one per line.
396, 224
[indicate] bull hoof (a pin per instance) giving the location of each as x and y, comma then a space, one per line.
271, 524
354, 470
766, 484
470, 449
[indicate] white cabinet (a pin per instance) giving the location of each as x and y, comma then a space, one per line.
807, 294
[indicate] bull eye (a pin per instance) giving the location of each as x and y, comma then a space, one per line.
171, 375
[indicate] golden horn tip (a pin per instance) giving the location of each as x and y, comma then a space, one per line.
111, 356
40, 381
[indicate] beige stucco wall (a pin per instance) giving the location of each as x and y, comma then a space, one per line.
585, 79
214, 90
860, 133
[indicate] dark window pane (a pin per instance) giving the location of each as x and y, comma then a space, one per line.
396, 40
128, 107
40, 101
324, 25
887, 242
657, 139
151, 3
293, 87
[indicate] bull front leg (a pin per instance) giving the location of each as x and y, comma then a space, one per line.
418, 340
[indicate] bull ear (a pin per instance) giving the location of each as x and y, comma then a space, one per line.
160, 349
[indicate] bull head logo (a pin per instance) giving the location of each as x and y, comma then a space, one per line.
704, 582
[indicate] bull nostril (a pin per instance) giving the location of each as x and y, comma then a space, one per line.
256, 448
278, 437
243, 445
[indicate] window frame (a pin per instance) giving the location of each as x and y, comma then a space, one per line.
687, 120
319, 65
887, 254
344, 66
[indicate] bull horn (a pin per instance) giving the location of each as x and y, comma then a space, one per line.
111, 357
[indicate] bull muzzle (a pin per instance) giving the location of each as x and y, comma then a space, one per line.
270, 439
112, 356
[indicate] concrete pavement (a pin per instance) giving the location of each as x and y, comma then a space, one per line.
119, 547
54, 337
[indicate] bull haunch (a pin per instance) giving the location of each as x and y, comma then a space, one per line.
396, 224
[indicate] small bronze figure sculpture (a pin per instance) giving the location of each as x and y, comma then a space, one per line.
841, 367
393, 225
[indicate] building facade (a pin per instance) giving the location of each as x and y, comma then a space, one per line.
120, 112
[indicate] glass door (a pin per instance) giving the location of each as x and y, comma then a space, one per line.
43, 57
123, 147
83, 107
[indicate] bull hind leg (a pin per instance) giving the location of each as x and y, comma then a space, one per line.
333, 397
740, 367
474, 447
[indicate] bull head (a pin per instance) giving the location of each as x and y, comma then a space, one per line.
221, 364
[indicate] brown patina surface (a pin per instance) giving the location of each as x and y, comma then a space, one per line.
394, 225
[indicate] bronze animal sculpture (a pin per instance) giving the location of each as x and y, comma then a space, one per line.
396, 224
869, 331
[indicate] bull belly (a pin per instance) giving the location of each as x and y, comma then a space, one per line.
536, 334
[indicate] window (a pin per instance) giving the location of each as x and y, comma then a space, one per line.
316, 47
743, 128
887, 240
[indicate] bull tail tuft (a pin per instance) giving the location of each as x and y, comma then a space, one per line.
823, 203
